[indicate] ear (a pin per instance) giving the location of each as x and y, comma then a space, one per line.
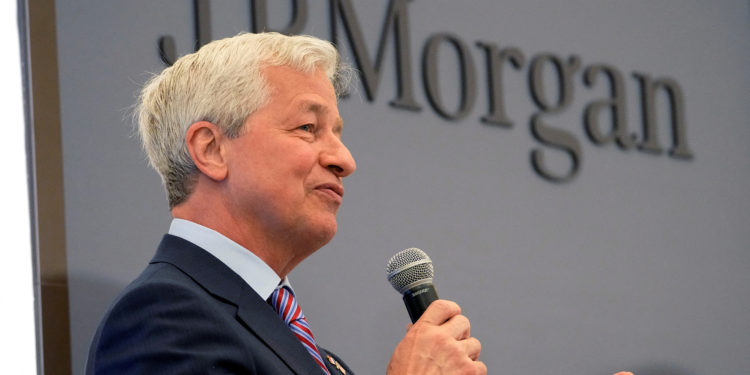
205, 142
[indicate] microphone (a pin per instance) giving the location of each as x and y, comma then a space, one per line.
410, 272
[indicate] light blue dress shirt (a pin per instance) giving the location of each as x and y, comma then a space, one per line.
242, 261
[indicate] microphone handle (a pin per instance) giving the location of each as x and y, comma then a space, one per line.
418, 298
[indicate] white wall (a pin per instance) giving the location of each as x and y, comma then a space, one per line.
18, 341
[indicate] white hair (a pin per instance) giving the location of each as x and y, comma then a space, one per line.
221, 83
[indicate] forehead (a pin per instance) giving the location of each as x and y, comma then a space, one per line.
287, 78
293, 93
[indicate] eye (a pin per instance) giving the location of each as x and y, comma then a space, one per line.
306, 128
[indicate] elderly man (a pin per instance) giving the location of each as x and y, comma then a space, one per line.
246, 136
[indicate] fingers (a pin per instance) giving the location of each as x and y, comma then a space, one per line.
473, 348
448, 315
439, 312
439, 342
459, 327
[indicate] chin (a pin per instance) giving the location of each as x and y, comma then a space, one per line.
324, 234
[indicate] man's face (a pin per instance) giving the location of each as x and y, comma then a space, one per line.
286, 168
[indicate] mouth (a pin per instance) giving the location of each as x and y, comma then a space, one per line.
335, 190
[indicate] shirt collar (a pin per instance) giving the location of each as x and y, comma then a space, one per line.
256, 273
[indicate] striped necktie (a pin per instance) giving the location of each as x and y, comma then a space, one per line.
282, 300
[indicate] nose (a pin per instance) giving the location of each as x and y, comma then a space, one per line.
337, 158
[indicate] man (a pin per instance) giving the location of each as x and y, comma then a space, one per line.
246, 136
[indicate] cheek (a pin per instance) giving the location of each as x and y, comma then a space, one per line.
286, 177
298, 161
281, 167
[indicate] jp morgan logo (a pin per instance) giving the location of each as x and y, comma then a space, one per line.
566, 71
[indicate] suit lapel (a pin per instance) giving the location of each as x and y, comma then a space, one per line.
267, 325
333, 363
255, 313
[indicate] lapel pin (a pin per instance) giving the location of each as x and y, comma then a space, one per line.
337, 364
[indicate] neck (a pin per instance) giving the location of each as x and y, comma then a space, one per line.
281, 253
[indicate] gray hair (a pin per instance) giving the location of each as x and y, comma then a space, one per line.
221, 83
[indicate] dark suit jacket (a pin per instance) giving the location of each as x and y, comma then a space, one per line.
188, 313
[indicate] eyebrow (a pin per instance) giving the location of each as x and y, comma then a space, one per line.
311, 106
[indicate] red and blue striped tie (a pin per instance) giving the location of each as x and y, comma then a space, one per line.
286, 306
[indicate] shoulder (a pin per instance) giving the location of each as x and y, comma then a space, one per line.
164, 318
162, 289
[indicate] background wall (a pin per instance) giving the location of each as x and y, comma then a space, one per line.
641, 262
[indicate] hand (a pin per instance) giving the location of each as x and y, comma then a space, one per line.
439, 342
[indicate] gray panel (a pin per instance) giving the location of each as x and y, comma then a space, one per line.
640, 261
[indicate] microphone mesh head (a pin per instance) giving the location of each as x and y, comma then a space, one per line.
409, 268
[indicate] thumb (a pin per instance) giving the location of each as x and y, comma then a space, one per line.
439, 312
